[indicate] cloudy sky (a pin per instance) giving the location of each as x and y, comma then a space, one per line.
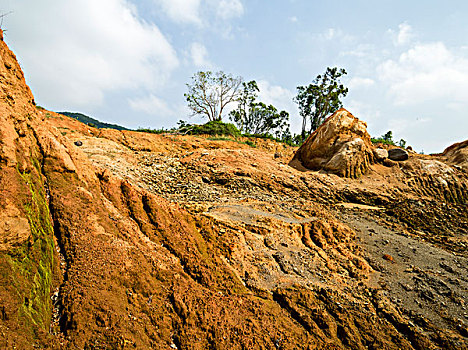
127, 61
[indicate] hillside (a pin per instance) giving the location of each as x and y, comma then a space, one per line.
143, 241
91, 121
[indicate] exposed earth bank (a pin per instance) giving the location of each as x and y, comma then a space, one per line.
127, 240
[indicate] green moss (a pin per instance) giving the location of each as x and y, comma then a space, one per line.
32, 262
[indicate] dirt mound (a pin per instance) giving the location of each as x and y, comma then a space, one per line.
178, 242
341, 145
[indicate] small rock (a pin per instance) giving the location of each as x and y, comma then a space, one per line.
388, 257
78, 143
397, 154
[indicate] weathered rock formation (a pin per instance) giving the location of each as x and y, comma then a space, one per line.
341, 145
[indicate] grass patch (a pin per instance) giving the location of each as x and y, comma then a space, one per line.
382, 141
211, 128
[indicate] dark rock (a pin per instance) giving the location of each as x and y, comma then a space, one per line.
78, 143
221, 180
397, 154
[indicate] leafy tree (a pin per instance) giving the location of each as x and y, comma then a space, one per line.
209, 93
388, 137
247, 97
256, 118
262, 119
321, 98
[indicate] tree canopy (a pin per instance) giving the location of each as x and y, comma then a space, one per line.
256, 118
321, 98
262, 119
209, 93
247, 97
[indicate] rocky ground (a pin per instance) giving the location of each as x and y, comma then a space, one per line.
121, 240
422, 272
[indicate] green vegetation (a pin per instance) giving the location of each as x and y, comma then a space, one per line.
92, 122
246, 99
320, 99
209, 94
157, 131
387, 139
257, 118
32, 263
215, 127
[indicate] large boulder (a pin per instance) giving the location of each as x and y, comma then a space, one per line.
341, 145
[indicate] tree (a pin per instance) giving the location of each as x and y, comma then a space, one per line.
388, 137
210, 93
262, 120
247, 97
321, 98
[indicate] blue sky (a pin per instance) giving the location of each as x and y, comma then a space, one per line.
127, 62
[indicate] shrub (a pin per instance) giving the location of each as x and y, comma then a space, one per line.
213, 128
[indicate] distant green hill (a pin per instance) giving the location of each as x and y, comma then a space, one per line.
92, 122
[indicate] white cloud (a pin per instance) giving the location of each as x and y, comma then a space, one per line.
424, 73
79, 51
151, 105
365, 112
199, 56
404, 35
182, 11
293, 19
278, 96
330, 33
359, 83
198, 11
336, 34
227, 9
